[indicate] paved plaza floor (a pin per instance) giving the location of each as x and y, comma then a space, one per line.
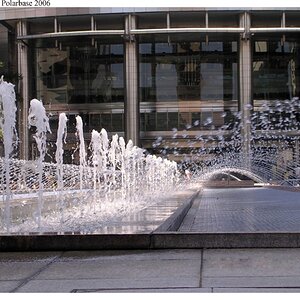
176, 270
244, 210
211, 270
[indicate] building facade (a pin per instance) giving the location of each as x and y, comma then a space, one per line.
158, 76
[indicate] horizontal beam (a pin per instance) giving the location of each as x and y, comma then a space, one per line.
188, 30
275, 29
71, 34
158, 31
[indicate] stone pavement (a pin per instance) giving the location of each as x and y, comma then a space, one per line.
203, 271
244, 210
177, 270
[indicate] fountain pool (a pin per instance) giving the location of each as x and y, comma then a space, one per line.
116, 180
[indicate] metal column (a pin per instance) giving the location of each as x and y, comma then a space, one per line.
245, 84
23, 90
131, 77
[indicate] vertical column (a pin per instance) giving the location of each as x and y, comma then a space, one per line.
245, 84
131, 77
23, 90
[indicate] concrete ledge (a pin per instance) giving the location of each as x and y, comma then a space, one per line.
170, 240
178, 240
74, 242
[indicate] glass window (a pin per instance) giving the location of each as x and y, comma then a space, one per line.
276, 70
145, 48
196, 121
261, 46
78, 72
266, 19
218, 119
142, 122
187, 19
109, 21
234, 47
106, 122
229, 119
95, 121
52, 75
117, 122
212, 46
162, 121
184, 121
292, 19
152, 20
166, 81
163, 48
172, 120
146, 77
75, 23
150, 121
212, 81
40, 25
223, 19
53, 122
188, 70
71, 124
207, 120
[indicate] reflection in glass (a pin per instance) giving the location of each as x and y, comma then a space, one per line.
194, 70
205, 120
276, 70
78, 72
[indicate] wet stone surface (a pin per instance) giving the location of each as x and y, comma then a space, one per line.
244, 210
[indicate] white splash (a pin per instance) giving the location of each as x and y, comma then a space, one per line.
61, 139
8, 127
82, 152
37, 118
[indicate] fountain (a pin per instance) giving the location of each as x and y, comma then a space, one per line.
45, 197
61, 139
118, 179
37, 117
8, 124
272, 154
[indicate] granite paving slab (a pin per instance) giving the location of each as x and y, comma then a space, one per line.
244, 210
96, 270
251, 268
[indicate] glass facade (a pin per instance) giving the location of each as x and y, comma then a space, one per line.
3, 50
276, 68
81, 77
77, 72
191, 121
187, 82
188, 70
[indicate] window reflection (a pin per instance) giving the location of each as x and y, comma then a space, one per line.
276, 70
193, 70
78, 72
205, 120
112, 122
